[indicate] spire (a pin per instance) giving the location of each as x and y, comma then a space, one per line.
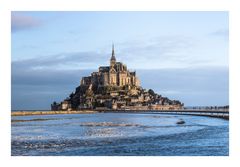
113, 54
113, 49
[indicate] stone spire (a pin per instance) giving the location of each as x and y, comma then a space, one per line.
113, 58
113, 54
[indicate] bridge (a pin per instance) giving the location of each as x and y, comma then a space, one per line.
221, 113
211, 113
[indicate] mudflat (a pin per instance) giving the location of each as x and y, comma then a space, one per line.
25, 113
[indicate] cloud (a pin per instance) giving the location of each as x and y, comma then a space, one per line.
164, 52
160, 47
23, 22
220, 33
75, 60
41, 77
37, 89
155, 53
193, 86
159, 55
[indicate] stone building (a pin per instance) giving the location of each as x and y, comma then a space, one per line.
116, 74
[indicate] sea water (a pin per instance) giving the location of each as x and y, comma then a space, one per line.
119, 134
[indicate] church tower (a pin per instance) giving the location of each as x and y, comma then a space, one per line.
112, 72
113, 58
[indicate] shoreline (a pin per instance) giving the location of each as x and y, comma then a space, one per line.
177, 112
29, 113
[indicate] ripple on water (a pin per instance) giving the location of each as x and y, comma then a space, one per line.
111, 124
120, 134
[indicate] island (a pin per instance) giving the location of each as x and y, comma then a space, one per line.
114, 87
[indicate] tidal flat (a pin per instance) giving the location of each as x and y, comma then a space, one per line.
119, 134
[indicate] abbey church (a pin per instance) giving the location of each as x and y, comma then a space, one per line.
114, 87
116, 74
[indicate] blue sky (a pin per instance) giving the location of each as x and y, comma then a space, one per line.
181, 55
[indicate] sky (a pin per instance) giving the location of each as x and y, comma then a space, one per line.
180, 55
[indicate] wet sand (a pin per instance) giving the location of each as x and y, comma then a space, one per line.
30, 113
25, 113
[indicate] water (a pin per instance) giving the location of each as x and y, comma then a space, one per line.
117, 134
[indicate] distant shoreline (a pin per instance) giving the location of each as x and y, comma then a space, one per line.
28, 113
210, 113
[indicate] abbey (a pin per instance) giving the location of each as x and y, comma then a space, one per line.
116, 74
114, 87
